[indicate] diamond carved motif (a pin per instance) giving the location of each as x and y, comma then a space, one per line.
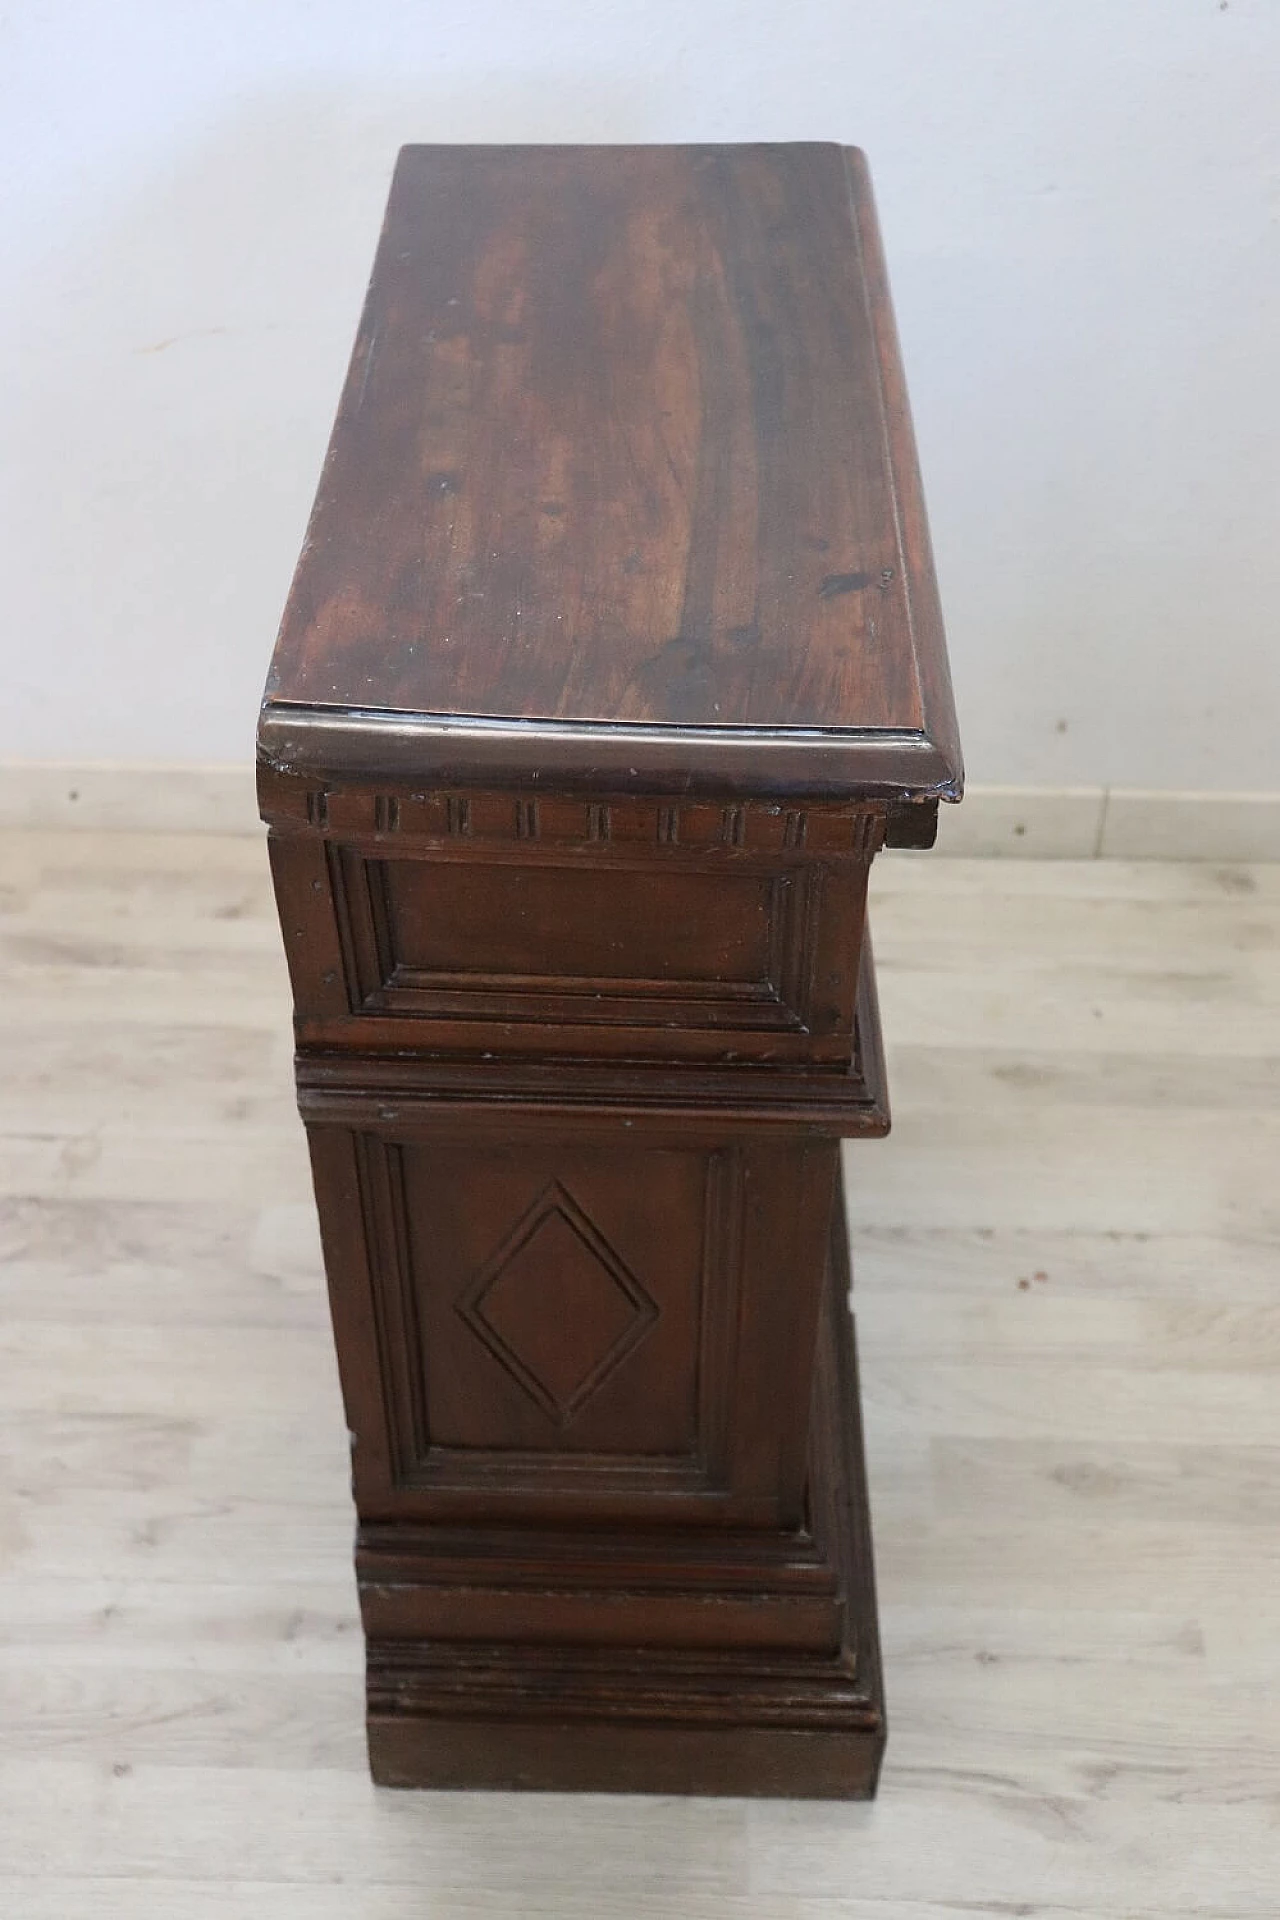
557, 1306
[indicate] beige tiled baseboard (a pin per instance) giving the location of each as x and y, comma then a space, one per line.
1045, 823
129, 797
1032, 823
1122, 823
1191, 826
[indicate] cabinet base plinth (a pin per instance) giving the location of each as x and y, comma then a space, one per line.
411, 1750
649, 1720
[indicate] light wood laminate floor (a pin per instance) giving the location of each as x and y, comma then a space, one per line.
1068, 1295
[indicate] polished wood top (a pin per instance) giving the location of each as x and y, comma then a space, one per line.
622, 485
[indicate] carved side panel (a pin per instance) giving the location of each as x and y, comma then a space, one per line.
537, 1321
630, 944
474, 924
563, 1312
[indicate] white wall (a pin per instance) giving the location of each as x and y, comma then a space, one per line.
1080, 202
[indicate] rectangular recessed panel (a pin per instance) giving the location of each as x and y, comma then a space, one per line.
588, 928
550, 1318
627, 944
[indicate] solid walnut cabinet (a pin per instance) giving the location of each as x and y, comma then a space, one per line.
612, 659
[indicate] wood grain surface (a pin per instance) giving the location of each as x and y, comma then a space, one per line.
624, 445
622, 461
1070, 1354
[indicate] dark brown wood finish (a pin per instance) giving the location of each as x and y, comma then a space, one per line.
493, 924
612, 660
622, 462
545, 1318
752, 1668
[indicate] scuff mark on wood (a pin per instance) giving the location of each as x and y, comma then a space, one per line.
837, 583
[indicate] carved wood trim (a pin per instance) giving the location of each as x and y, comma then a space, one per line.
563, 820
557, 1203
356, 1089
722, 1258
380, 1174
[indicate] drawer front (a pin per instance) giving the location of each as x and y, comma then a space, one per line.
470, 945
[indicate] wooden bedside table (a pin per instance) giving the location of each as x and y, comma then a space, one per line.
612, 658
